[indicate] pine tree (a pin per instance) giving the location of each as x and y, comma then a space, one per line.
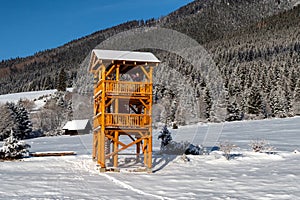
6, 122
13, 148
233, 112
62, 81
296, 98
277, 103
22, 124
208, 102
255, 101
165, 136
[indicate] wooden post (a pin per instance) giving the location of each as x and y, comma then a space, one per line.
138, 151
150, 118
101, 137
116, 148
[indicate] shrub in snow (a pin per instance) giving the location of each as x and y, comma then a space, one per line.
226, 148
168, 146
174, 125
165, 136
261, 146
13, 148
200, 150
175, 148
194, 150
183, 159
171, 147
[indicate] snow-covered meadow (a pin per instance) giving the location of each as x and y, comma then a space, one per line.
38, 97
249, 175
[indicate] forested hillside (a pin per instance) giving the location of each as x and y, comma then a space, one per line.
202, 20
260, 67
254, 43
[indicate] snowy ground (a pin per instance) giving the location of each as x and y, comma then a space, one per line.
248, 176
34, 95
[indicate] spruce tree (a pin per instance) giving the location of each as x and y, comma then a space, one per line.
62, 81
13, 148
296, 98
6, 122
22, 125
233, 112
208, 103
255, 101
277, 102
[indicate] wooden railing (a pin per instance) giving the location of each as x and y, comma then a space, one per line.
123, 88
127, 88
123, 120
97, 90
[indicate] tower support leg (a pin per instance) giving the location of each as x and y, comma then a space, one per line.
116, 146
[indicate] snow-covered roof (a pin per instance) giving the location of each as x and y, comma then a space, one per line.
125, 56
76, 125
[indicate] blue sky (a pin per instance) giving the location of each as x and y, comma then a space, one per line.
29, 26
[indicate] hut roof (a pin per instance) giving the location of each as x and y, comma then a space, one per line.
125, 56
76, 125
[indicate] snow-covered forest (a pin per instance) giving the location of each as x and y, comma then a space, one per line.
35, 115
258, 67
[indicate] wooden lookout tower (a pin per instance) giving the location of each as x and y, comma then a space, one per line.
122, 105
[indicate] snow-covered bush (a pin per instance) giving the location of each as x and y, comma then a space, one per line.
13, 148
200, 150
194, 150
262, 146
165, 136
226, 147
171, 147
177, 148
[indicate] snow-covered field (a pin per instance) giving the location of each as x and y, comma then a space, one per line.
15, 97
38, 97
248, 176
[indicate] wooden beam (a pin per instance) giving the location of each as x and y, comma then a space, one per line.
123, 148
144, 104
129, 136
110, 102
145, 72
134, 110
94, 65
113, 139
110, 70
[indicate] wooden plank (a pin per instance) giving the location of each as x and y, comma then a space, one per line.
52, 153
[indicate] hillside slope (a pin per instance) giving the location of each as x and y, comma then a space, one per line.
198, 19
255, 45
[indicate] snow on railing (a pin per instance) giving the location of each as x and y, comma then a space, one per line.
124, 87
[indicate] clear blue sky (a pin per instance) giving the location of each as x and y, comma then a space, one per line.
28, 26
